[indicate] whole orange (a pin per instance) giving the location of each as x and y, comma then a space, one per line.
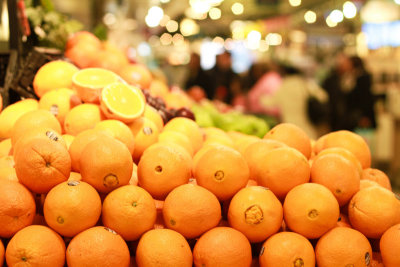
36, 245
338, 174
222, 246
378, 176
187, 127
53, 75
32, 120
12, 113
256, 212
373, 210
72, 207
390, 245
191, 210
98, 246
17, 207
145, 133
158, 88
162, 167
110, 60
256, 151
82, 54
310, 210
342, 152
82, 37
106, 164
177, 138
82, 117
281, 169
39, 132
136, 74
348, 140
42, 164
291, 135
343, 246
163, 248
119, 131
222, 170
126, 206
79, 143
58, 102
287, 249
153, 115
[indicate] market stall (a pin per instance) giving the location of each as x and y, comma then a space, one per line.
199, 133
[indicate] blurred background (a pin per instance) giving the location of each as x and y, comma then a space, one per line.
322, 64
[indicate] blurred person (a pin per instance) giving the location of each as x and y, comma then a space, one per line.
359, 97
255, 72
198, 79
266, 85
338, 79
292, 99
225, 84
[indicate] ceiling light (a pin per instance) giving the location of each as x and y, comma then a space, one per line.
200, 6
237, 8
273, 39
154, 16
191, 13
295, 2
189, 27
253, 40
336, 16
166, 39
215, 13
177, 39
350, 9
172, 26
330, 22
310, 17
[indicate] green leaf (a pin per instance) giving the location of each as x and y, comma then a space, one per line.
51, 27
53, 18
28, 3
35, 16
100, 31
47, 5
72, 26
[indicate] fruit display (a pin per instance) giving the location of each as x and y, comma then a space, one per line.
208, 115
107, 169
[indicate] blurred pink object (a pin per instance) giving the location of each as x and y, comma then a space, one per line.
196, 93
239, 102
268, 84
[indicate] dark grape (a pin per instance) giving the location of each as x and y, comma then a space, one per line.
185, 112
160, 102
163, 114
146, 93
152, 102
172, 111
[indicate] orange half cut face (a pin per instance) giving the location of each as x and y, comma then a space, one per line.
122, 102
89, 82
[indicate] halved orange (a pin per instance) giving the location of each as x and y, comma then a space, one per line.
89, 82
122, 102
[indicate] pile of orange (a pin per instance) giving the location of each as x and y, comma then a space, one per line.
106, 183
